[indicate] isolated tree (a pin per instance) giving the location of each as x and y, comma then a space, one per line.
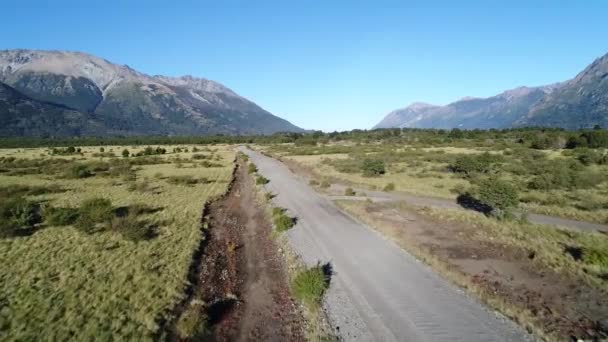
125, 153
498, 194
373, 167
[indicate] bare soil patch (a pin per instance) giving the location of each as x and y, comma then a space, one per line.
559, 306
242, 279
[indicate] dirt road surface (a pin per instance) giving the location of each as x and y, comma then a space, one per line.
241, 275
380, 196
378, 292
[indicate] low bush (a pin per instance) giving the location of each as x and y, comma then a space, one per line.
17, 215
200, 156
469, 164
78, 171
94, 215
261, 180
281, 220
373, 167
184, 180
349, 192
313, 182
310, 285
325, 184
500, 195
132, 228
251, 168
57, 216
389, 187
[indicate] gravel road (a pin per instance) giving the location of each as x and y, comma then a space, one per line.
378, 292
381, 196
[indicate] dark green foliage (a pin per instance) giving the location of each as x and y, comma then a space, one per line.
373, 167
251, 168
79, 171
57, 216
94, 215
149, 151
17, 216
261, 180
200, 156
497, 194
133, 228
547, 141
185, 180
589, 156
65, 151
563, 174
469, 164
125, 153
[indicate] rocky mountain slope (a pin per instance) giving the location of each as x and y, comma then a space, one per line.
580, 102
111, 99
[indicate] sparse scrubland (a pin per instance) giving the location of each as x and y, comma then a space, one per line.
551, 172
97, 243
491, 250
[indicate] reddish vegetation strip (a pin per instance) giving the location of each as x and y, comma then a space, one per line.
242, 278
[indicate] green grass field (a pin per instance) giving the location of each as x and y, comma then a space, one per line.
60, 283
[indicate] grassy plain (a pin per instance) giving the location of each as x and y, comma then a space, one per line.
578, 190
60, 283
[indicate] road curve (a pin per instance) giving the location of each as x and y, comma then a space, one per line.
378, 292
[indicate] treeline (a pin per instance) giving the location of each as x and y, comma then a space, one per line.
539, 138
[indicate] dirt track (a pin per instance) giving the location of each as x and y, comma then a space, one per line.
242, 278
378, 292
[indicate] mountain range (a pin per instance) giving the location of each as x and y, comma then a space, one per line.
581, 102
61, 93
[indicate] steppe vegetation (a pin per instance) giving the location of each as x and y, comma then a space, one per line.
96, 242
550, 172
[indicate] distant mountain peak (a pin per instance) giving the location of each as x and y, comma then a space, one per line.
419, 106
579, 102
116, 99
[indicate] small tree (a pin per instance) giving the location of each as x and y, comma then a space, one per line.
500, 195
125, 153
102, 150
373, 167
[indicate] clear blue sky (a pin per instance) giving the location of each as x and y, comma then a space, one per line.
328, 64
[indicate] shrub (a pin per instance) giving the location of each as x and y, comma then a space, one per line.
349, 192
17, 214
261, 180
182, 180
130, 227
55, 216
79, 171
199, 156
94, 214
125, 153
468, 164
310, 285
500, 195
325, 184
389, 187
313, 182
251, 168
282, 221
268, 196
373, 167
